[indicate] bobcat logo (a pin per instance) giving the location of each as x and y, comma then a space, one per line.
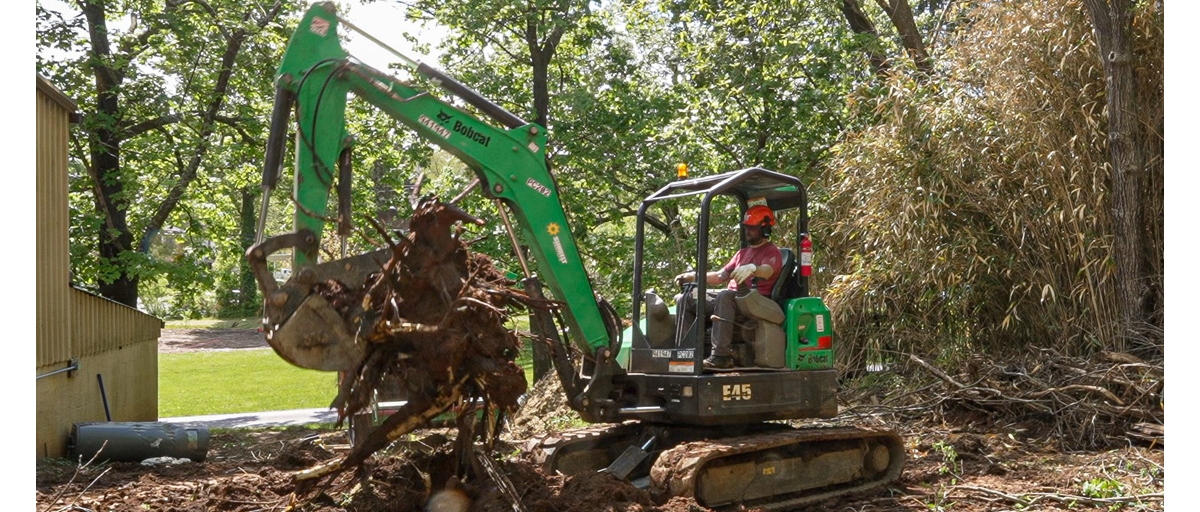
319, 26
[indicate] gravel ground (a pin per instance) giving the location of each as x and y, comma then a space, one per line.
190, 340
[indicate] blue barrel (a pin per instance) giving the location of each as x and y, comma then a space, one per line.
135, 442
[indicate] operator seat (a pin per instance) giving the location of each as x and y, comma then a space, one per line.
785, 287
660, 321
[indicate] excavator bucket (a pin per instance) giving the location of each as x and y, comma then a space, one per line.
316, 338
298, 322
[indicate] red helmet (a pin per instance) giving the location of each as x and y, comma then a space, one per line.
759, 215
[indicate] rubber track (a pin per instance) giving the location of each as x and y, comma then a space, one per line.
677, 469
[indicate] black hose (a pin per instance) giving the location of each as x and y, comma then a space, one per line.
469, 95
277, 137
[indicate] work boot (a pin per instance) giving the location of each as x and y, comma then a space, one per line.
715, 362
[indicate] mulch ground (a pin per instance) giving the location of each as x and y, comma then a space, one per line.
959, 463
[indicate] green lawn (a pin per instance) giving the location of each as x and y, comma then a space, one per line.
233, 381
220, 382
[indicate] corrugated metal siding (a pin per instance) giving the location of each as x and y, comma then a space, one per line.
100, 325
52, 245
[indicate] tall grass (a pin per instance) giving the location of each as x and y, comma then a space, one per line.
974, 216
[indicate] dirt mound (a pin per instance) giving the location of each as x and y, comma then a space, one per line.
254, 471
543, 410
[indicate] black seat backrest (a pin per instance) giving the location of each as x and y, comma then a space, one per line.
784, 286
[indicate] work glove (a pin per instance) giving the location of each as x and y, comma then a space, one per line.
685, 277
742, 273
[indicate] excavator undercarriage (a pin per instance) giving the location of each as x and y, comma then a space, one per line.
768, 466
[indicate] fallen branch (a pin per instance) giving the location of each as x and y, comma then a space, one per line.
938, 373
1029, 499
1090, 401
1093, 389
79, 467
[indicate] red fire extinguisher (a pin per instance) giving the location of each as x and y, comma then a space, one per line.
805, 255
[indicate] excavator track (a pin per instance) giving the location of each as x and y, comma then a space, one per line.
781, 470
776, 468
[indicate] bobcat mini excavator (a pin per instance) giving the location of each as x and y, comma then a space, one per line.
662, 420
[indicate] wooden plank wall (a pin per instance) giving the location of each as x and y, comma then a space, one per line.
70, 322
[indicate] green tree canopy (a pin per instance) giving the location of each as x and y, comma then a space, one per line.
173, 102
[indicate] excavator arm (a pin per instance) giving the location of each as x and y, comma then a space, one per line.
314, 80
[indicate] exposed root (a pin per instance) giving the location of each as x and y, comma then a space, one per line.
433, 322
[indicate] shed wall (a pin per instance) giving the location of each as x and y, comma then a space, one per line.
111, 348
52, 264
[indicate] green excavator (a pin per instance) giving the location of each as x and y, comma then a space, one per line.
660, 418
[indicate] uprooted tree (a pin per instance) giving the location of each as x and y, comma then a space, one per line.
434, 320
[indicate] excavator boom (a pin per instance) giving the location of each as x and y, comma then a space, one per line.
314, 79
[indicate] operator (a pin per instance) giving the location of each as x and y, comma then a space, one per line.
757, 264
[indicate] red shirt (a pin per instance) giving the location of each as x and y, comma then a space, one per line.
765, 254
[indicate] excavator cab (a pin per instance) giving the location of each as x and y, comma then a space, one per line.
787, 330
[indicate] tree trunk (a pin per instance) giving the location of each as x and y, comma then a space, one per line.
248, 294
105, 169
861, 24
902, 18
1113, 26
540, 55
542, 364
